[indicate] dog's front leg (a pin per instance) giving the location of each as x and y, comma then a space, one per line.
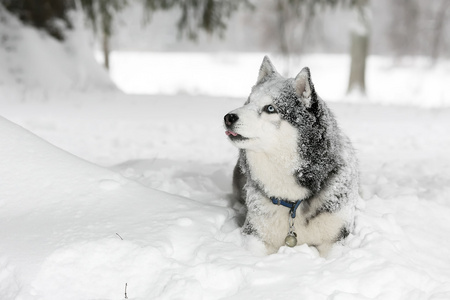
248, 228
239, 181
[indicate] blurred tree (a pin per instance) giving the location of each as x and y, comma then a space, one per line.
359, 32
440, 20
100, 14
52, 15
404, 33
359, 46
294, 19
49, 15
419, 28
196, 15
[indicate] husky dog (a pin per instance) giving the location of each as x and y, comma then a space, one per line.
296, 172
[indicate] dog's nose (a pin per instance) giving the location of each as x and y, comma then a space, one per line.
230, 119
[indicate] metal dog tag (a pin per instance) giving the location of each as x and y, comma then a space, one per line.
291, 239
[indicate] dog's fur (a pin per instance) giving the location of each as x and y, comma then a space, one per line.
291, 148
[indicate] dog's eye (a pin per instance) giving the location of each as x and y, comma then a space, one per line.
269, 109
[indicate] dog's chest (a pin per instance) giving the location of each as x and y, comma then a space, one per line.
276, 175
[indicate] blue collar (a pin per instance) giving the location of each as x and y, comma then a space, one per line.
289, 204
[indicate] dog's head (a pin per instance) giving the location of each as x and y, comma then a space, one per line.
276, 108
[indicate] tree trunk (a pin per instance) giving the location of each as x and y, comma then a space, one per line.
358, 53
105, 46
439, 28
282, 18
359, 33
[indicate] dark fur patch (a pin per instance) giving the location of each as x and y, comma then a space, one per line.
314, 215
319, 137
329, 206
249, 229
343, 233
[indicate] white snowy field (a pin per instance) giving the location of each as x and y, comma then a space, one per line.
105, 195
159, 218
410, 81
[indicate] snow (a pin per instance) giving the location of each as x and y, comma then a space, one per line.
412, 81
63, 216
33, 60
139, 201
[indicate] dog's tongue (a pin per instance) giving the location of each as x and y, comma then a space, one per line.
228, 132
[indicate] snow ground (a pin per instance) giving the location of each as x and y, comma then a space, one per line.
74, 230
412, 81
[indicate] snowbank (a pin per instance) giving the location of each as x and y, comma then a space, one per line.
73, 230
78, 231
33, 64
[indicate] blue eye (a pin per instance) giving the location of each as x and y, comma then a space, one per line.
269, 109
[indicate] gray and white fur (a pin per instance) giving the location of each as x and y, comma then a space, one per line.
291, 148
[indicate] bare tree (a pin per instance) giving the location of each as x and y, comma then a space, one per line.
418, 27
440, 20
208, 15
100, 14
359, 32
404, 29
294, 19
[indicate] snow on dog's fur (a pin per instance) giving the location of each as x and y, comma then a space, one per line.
292, 149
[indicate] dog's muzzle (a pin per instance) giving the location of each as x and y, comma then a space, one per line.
230, 119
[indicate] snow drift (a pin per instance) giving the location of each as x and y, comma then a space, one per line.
73, 230
33, 64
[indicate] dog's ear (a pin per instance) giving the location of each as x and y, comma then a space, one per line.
304, 88
265, 70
